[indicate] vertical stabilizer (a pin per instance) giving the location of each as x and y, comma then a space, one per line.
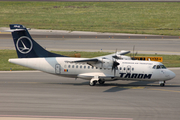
25, 46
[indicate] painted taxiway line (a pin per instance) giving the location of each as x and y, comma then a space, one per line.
165, 90
18, 118
5, 32
19, 71
33, 117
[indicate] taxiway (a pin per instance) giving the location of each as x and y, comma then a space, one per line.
31, 94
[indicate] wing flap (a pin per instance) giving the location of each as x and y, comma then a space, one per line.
13, 30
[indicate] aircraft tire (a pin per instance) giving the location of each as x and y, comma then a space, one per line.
162, 84
101, 82
93, 83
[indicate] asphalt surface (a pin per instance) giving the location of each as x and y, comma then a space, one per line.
33, 95
88, 35
60, 40
40, 95
147, 46
101, 0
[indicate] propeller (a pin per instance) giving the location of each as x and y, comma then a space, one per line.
115, 63
115, 56
133, 53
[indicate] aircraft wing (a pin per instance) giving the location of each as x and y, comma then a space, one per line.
101, 61
89, 61
114, 55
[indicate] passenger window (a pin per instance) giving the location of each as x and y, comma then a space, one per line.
92, 67
84, 67
72, 66
69, 66
96, 67
124, 68
88, 67
76, 66
132, 69
120, 68
80, 66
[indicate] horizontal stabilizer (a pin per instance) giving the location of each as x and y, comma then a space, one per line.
14, 30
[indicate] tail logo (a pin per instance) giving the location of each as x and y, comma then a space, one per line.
24, 45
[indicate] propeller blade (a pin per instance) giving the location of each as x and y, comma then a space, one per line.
133, 58
115, 63
116, 57
133, 50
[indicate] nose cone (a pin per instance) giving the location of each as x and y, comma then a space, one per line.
172, 75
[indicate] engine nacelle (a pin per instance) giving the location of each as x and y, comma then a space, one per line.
105, 63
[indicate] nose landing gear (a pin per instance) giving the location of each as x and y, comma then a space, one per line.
162, 83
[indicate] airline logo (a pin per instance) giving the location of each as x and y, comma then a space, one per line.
24, 45
135, 75
65, 70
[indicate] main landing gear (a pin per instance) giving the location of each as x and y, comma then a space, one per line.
94, 80
93, 83
101, 81
162, 83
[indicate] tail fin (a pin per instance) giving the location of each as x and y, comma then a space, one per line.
25, 46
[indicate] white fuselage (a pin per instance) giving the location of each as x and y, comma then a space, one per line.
126, 70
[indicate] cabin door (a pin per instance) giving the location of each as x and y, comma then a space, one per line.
128, 69
58, 69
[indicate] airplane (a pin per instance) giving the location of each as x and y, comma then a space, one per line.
111, 67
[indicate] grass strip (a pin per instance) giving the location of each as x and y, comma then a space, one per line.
168, 60
161, 18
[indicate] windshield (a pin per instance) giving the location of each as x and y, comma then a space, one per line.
159, 67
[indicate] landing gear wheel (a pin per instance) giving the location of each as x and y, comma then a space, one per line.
101, 82
162, 84
93, 83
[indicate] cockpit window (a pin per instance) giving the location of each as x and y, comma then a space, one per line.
163, 67
159, 67
154, 67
